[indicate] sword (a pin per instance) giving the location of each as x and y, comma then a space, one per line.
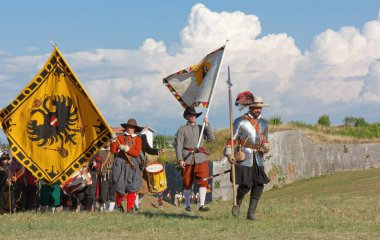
216, 175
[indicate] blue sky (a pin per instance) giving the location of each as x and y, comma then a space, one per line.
84, 25
306, 58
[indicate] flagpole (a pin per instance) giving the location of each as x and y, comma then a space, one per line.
211, 96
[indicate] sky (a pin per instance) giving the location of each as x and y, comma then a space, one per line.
305, 58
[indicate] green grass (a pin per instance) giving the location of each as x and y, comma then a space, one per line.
368, 131
340, 206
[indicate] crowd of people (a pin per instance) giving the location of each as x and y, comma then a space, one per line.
119, 179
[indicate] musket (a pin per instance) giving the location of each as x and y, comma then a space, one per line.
229, 83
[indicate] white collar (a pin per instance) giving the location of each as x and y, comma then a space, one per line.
249, 114
132, 135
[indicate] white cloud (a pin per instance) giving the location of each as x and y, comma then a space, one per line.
338, 74
31, 49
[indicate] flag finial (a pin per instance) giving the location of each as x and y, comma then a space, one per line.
52, 42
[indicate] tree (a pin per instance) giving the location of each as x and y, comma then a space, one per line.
324, 120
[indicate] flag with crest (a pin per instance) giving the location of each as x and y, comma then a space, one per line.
52, 126
194, 85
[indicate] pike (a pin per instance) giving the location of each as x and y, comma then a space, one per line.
229, 83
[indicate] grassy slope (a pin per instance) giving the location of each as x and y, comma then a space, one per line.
340, 206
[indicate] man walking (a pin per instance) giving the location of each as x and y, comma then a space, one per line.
192, 160
251, 136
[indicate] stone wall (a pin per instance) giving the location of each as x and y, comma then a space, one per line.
294, 157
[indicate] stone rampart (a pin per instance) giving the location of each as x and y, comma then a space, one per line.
294, 157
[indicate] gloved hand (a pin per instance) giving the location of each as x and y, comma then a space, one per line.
265, 148
231, 159
227, 150
113, 137
124, 148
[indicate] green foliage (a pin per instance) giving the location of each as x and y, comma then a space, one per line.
369, 131
215, 149
354, 122
345, 149
217, 184
353, 127
324, 120
300, 124
275, 121
163, 141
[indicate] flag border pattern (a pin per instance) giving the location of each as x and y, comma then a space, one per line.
104, 136
184, 71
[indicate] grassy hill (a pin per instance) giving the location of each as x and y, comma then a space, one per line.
340, 206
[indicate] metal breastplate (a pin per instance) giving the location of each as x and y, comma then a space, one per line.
244, 132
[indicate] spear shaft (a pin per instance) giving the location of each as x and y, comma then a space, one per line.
231, 137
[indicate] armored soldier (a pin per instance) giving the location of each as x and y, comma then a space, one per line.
251, 138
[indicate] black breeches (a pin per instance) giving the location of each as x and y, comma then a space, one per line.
104, 191
256, 191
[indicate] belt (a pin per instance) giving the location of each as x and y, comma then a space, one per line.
196, 150
253, 147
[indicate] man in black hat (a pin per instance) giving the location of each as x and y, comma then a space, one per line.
192, 159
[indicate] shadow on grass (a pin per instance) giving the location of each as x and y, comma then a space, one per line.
150, 214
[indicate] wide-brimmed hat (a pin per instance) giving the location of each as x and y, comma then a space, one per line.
191, 110
132, 122
258, 102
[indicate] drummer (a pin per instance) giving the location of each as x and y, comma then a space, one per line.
147, 149
126, 173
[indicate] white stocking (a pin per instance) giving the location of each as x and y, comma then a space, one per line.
202, 196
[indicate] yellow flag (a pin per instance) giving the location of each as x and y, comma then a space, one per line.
53, 127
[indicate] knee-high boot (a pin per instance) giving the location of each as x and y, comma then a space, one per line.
252, 209
239, 200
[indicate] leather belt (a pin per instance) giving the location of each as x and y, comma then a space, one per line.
196, 150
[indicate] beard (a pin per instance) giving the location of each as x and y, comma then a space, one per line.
256, 114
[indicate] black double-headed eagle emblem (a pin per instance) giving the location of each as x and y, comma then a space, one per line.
57, 124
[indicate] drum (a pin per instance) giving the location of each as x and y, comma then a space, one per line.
77, 182
156, 178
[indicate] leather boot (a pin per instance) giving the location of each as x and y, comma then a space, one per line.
252, 208
239, 201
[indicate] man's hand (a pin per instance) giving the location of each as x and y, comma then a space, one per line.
205, 120
264, 149
231, 159
9, 182
124, 148
113, 137
182, 164
227, 150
